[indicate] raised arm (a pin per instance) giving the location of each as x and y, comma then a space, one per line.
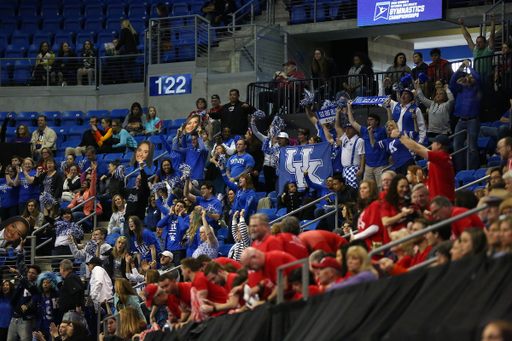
351, 119
466, 35
210, 235
255, 130
186, 192
311, 115
337, 124
493, 33
413, 146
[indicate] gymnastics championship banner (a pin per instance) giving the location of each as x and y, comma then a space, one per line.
378, 12
373, 100
294, 161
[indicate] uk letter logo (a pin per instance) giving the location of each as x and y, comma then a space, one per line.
306, 163
381, 10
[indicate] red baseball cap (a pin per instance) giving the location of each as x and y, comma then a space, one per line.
150, 292
327, 262
290, 62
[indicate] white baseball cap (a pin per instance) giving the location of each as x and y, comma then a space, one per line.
283, 135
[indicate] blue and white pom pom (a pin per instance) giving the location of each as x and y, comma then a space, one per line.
221, 160
119, 173
82, 162
63, 165
309, 98
202, 115
175, 182
406, 80
158, 186
423, 78
258, 115
277, 126
210, 209
47, 200
186, 170
342, 103
50, 277
328, 104
397, 87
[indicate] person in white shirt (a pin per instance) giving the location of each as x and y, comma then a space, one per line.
100, 285
96, 247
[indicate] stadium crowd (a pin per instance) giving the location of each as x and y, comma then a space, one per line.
180, 207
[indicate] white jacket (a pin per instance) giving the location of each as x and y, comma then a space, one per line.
100, 286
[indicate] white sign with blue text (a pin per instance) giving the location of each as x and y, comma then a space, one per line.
326, 115
170, 85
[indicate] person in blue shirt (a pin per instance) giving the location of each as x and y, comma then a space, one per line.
321, 191
175, 225
101, 168
376, 159
195, 156
240, 163
143, 240
176, 158
28, 191
206, 200
9, 195
402, 157
46, 303
496, 133
245, 197
6, 293
469, 94
126, 142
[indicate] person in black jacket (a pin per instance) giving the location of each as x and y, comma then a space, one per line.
64, 66
129, 41
24, 313
136, 199
71, 299
87, 139
228, 8
234, 115
114, 184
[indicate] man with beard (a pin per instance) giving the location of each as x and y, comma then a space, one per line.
259, 230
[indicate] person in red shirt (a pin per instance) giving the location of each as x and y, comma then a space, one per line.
442, 208
259, 230
369, 223
179, 296
329, 271
441, 175
290, 229
322, 240
215, 273
421, 242
202, 286
439, 68
268, 263
224, 260
393, 213
295, 279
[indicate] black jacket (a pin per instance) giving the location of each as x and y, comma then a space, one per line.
234, 116
136, 199
88, 139
129, 41
71, 293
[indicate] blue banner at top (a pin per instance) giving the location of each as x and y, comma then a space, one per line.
374, 100
378, 12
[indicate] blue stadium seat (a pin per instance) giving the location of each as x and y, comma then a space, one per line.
127, 157
20, 38
497, 124
155, 139
27, 10
6, 67
28, 118
71, 118
422, 163
10, 25
11, 132
61, 148
464, 177
105, 38
224, 249
260, 195
41, 36
222, 234
119, 114
108, 158
7, 11
52, 117
72, 24
115, 10
71, 10
138, 24
179, 9
113, 24
320, 12
95, 24
93, 9
186, 51
177, 123
49, 10
75, 133
22, 72
298, 15
91, 113
111, 238
30, 25
64, 37
61, 132
309, 227
196, 8
4, 41
270, 212
82, 37
52, 25
33, 51
480, 173
137, 9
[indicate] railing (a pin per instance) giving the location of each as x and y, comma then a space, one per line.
317, 11
138, 168
181, 38
471, 184
239, 16
24, 71
346, 84
128, 68
305, 279
116, 317
426, 230
311, 204
284, 96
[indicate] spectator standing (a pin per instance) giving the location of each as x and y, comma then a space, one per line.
421, 66
50, 184
467, 108
481, 49
290, 229
206, 200
71, 299
240, 236
195, 156
100, 289
399, 68
6, 294
143, 240
28, 190
44, 137
209, 244
439, 68
245, 197
322, 67
240, 163
128, 40
136, 198
125, 297
175, 225
441, 174
46, 303
376, 159
440, 111
234, 114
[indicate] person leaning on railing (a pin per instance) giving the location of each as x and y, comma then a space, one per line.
88, 63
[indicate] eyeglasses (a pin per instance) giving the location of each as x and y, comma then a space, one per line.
46, 153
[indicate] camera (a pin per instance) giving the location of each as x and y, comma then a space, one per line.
407, 201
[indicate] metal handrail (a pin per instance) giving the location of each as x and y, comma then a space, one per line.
144, 283
138, 168
303, 207
116, 317
233, 22
305, 279
473, 183
426, 230
423, 264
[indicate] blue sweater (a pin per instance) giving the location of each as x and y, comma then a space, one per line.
468, 100
243, 199
6, 309
125, 140
9, 196
174, 230
194, 157
320, 190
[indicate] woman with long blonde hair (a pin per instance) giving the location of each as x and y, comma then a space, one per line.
116, 267
403, 251
131, 324
126, 297
129, 39
191, 239
360, 265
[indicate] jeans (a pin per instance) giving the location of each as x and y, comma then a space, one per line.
495, 133
459, 160
178, 255
21, 328
118, 230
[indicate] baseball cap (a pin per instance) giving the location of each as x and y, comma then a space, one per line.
167, 253
95, 261
149, 292
290, 62
327, 262
283, 135
347, 125
442, 139
409, 91
216, 97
